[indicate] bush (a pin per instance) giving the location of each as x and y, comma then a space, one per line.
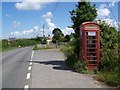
76, 63
79, 66
35, 47
67, 50
110, 78
71, 59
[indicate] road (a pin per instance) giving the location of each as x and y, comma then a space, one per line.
25, 68
14, 67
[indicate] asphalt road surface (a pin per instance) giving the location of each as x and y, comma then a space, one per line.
25, 68
14, 67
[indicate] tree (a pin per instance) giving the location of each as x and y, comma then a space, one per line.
67, 38
83, 12
56, 31
109, 47
57, 35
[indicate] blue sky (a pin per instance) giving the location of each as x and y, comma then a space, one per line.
26, 19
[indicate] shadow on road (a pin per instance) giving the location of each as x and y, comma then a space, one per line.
57, 64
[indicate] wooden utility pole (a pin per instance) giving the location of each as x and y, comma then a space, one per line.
43, 30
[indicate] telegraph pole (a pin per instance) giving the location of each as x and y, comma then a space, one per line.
43, 30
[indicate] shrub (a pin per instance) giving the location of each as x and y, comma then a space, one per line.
71, 59
110, 78
35, 47
79, 66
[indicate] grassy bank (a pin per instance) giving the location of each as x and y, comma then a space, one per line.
110, 78
0, 46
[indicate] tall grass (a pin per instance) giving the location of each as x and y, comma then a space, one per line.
0, 46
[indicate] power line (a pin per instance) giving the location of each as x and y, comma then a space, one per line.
112, 13
55, 7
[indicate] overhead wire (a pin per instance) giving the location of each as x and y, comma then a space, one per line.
112, 13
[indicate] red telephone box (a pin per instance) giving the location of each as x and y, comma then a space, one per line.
90, 35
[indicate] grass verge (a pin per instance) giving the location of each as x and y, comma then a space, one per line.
111, 78
42, 48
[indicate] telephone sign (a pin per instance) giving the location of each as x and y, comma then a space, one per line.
91, 33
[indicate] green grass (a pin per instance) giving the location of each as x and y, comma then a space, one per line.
43, 48
66, 48
0, 46
110, 78
8, 48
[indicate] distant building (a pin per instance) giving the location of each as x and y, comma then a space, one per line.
49, 39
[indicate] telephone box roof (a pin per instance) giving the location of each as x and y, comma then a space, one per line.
84, 23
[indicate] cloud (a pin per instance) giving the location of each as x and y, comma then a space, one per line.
48, 15
112, 4
67, 31
16, 24
50, 26
7, 15
103, 11
15, 34
104, 15
32, 4
111, 22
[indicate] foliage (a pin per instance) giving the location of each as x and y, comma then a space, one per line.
111, 78
35, 47
67, 49
110, 61
84, 12
17, 42
0, 45
44, 41
58, 35
80, 66
40, 48
109, 47
67, 38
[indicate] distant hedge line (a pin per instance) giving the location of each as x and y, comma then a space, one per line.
18, 42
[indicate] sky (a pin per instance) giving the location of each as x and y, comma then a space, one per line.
26, 19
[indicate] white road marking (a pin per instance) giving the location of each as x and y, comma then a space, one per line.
26, 86
28, 76
29, 68
32, 54
31, 60
30, 63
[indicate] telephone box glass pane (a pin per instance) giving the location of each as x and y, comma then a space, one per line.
91, 46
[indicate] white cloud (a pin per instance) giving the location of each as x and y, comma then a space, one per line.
7, 15
111, 22
28, 6
32, 4
67, 31
15, 34
103, 11
50, 26
36, 28
112, 4
104, 15
16, 24
48, 15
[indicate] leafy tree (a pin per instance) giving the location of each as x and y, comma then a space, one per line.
58, 35
109, 47
56, 31
83, 12
67, 38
